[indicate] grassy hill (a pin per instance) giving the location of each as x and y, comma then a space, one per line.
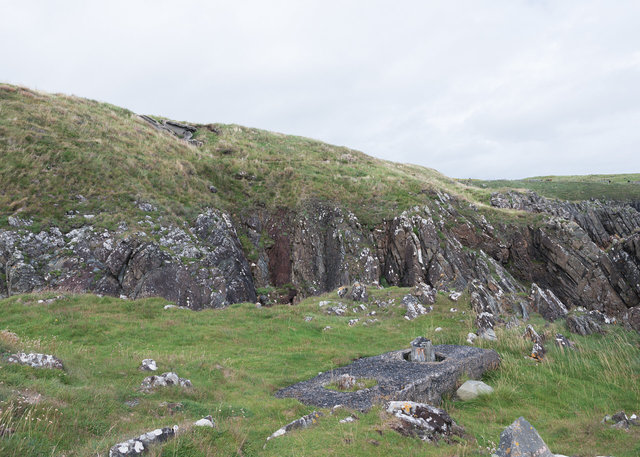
621, 187
57, 147
236, 358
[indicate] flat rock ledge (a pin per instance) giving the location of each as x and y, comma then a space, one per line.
397, 378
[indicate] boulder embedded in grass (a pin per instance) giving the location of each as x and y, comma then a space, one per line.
522, 440
36, 360
471, 390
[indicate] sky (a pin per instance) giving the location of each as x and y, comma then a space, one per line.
475, 89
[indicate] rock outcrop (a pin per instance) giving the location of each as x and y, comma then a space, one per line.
578, 254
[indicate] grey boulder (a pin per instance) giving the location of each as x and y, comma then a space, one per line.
520, 439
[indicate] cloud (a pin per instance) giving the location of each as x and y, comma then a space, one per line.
474, 89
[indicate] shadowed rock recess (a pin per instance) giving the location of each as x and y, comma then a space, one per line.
397, 378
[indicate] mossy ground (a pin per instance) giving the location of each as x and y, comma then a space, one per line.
237, 357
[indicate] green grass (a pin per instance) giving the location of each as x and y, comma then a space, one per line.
361, 383
56, 147
237, 357
621, 187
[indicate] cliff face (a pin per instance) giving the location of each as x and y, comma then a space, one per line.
587, 253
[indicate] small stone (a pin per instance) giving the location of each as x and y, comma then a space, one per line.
471, 390
489, 335
163, 380
308, 318
471, 337
342, 291
455, 296
438, 329
205, 422
353, 322
359, 292
148, 365
453, 310
349, 419
213, 189
303, 422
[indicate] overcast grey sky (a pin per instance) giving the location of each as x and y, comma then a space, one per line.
483, 89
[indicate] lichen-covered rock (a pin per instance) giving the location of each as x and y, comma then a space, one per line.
563, 342
413, 307
424, 293
165, 379
36, 360
547, 304
139, 445
427, 422
537, 351
583, 325
520, 439
148, 365
359, 292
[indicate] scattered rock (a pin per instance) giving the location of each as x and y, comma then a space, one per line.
583, 325
473, 389
36, 360
547, 304
132, 403
339, 310
621, 421
137, 446
359, 292
455, 295
485, 321
148, 365
145, 206
424, 293
520, 439
324, 303
438, 329
303, 422
213, 189
346, 382
453, 310
353, 322
414, 307
349, 419
205, 422
471, 337
423, 420
17, 222
563, 342
537, 351
342, 291
163, 380
489, 335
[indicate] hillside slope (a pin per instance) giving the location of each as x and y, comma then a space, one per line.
95, 198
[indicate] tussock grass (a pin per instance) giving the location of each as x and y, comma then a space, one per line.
237, 357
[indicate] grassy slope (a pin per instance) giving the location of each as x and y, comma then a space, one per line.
55, 147
237, 357
607, 187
